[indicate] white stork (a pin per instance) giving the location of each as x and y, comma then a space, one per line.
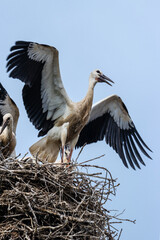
53, 113
9, 115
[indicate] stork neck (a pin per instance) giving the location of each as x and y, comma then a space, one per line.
8, 132
89, 96
91, 89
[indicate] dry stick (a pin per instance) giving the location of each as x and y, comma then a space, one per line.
84, 198
92, 159
24, 156
49, 227
90, 175
74, 224
80, 152
28, 203
70, 218
103, 188
18, 156
31, 209
119, 234
95, 166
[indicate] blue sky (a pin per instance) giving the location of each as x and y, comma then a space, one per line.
122, 39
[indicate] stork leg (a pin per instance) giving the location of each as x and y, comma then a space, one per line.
72, 145
70, 155
64, 130
62, 154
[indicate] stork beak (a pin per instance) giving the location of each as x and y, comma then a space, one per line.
4, 126
103, 78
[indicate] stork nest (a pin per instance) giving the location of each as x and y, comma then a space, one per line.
49, 201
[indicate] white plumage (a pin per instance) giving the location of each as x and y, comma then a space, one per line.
113, 105
53, 113
9, 115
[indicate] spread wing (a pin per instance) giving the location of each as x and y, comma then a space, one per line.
44, 96
110, 119
7, 105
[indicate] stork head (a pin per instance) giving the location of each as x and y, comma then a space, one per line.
97, 76
7, 122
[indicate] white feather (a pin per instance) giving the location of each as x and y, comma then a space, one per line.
53, 94
39, 53
113, 106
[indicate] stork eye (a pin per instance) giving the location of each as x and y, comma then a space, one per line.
98, 71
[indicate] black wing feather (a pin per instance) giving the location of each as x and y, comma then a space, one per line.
119, 139
33, 105
23, 67
139, 137
29, 71
140, 146
113, 136
131, 152
108, 131
120, 146
127, 151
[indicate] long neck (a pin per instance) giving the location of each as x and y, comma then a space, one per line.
89, 96
8, 132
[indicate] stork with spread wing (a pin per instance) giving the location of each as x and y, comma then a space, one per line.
62, 121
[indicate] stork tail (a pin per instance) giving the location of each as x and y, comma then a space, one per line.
44, 150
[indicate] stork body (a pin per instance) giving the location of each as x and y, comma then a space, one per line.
67, 128
7, 136
62, 121
9, 115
